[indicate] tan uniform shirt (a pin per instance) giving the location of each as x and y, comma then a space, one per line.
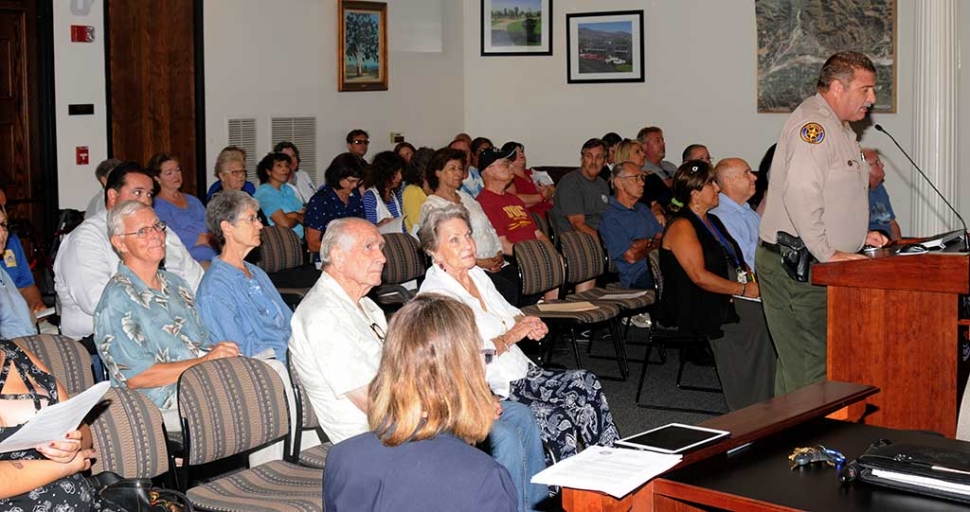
818, 187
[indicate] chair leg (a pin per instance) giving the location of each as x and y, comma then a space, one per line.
572, 335
643, 374
620, 350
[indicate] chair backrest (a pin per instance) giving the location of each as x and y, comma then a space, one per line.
405, 261
129, 437
658, 278
306, 417
584, 256
540, 267
230, 406
281, 249
542, 223
68, 360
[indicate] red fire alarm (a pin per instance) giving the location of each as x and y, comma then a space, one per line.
82, 34
82, 155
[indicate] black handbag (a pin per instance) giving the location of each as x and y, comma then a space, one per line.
138, 494
924, 470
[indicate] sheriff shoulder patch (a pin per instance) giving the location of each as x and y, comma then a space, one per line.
813, 133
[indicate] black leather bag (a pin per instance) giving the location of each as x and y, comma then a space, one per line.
138, 495
884, 464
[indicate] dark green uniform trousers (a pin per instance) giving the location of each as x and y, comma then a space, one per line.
796, 314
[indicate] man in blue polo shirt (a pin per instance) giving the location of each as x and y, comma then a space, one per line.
629, 228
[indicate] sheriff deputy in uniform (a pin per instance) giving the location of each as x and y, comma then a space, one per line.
818, 192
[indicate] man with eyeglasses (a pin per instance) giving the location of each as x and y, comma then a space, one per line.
629, 228
86, 260
358, 142
734, 177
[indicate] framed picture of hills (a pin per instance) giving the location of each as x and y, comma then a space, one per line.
603, 47
516, 27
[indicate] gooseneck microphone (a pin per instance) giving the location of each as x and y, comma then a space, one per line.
966, 242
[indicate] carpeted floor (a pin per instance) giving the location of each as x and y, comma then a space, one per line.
658, 388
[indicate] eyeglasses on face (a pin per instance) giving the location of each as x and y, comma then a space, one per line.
236, 174
159, 227
252, 219
360, 142
637, 177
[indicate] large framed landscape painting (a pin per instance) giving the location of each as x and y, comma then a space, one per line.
362, 46
796, 36
604, 47
516, 27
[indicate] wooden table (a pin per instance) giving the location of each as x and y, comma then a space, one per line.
746, 425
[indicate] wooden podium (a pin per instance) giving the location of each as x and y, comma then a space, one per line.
894, 323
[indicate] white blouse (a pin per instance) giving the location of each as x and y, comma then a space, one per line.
493, 321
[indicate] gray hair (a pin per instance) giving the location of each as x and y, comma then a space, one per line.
618, 168
228, 155
227, 206
338, 232
105, 167
428, 232
118, 214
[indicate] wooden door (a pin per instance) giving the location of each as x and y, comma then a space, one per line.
21, 173
152, 82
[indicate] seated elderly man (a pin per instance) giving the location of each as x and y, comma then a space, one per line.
736, 181
337, 342
86, 261
629, 228
146, 327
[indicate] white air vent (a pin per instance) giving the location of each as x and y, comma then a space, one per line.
302, 132
242, 133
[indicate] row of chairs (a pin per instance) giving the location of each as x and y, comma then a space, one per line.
228, 407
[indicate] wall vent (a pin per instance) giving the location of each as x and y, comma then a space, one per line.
242, 133
301, 131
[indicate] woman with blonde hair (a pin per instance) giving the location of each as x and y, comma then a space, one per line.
427, 405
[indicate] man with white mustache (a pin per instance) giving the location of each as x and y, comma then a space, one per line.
819, 193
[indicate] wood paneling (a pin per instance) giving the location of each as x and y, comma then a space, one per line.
892, 323
21, 174
152, 80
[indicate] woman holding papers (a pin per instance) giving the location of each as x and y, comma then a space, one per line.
565, 403
48, 477
427, 404
710, 291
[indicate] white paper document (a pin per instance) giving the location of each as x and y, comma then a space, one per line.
615, 471
623, 296
54, 422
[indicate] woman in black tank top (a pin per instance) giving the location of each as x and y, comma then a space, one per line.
709, 290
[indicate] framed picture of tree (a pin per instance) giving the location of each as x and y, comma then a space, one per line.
362, 46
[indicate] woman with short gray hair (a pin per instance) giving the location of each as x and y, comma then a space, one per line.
236, 299
562, 402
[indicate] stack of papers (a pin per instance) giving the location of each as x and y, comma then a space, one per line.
54, 422
615, 471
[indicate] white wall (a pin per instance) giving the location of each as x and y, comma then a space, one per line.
700, 84
79, 78
263, 62
700, 87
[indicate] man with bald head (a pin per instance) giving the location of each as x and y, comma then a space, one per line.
736, 180
882, 218
629, 228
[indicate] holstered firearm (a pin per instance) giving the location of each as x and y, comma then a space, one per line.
797, 261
